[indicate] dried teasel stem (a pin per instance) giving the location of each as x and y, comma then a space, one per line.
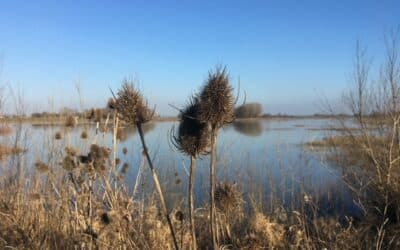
213, 223
132, 108
191, 201
216, 109
157, 184
192, 139
139, 175
115, 143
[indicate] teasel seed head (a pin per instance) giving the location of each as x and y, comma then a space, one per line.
84, 135
69, 163
193, 136
124, 168
70, 151
179, 216
105, 218
131, 106
58, 136
41, 167
216, 99
99, 155
111, 104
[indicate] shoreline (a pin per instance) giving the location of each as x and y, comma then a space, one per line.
61, 121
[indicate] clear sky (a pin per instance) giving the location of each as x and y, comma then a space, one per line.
287, 53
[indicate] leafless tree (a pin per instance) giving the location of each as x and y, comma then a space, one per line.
373, 140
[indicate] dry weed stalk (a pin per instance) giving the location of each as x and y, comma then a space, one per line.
193, 139
133, 109
216, 109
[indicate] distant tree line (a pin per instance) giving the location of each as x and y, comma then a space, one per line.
249, 110
95, 114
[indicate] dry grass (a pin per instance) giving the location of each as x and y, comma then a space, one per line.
5, 130
6, 151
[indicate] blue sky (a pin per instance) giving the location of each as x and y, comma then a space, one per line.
288, 54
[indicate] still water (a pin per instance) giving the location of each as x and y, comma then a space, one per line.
265, 158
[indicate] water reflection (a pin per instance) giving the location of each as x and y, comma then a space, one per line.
125, 133
263, 163
249, 128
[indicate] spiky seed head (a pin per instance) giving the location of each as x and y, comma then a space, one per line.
84, 135
124, 168
85, 159
41, 167
193, 137
58, 136
179, 216
216, 99
105, 218
99, 155
131, 106
111, 104
69, 163
70, 151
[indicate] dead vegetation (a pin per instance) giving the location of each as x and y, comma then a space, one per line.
78, 200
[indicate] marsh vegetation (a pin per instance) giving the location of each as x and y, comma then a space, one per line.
207, 181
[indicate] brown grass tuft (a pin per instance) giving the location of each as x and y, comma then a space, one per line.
269, 233
7, 151
228, 199
5, 130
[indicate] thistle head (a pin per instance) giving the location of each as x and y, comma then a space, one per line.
99, 155
58, 136
131, 106
84, 135
111, 104
216, 99
193, 137
41, 167
124, 168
